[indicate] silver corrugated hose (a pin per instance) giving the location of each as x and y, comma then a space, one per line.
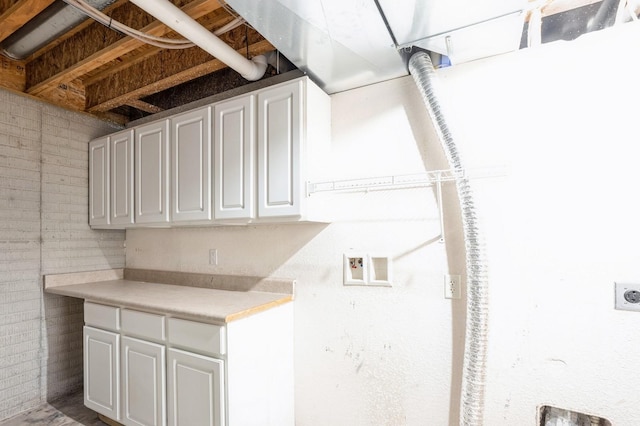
475, 351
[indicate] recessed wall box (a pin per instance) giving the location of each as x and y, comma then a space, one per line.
379, 271
355, 269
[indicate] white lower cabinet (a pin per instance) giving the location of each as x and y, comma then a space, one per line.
195, 389
102, 372
148, 369
143, 383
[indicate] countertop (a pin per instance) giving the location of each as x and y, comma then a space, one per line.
184, 301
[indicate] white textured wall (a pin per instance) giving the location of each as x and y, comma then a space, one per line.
363, 355
561, 228
44, 229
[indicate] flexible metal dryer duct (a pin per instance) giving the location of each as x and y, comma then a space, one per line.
475, 351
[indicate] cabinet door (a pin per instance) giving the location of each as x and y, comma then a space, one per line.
195, 389
234, 152
143, 383
101, 372
191, 166
152, 173
121, 150
99, 182
279, 142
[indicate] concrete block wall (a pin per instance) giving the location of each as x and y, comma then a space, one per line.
44, 230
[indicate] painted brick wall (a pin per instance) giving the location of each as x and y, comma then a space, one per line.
44, 230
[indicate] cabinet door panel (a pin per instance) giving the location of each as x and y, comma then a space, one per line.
99, 182
234, 148
101, 372
143, 383
151, 160
279, 132
121, 147
195, 389
191, 166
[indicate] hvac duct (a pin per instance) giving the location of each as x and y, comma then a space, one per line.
51, 23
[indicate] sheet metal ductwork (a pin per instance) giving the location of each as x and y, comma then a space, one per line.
343, 44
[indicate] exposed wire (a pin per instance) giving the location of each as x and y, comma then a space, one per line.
161, 42
233, 13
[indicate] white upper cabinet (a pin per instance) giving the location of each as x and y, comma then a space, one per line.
99, 182
279, 143
191, 166
152, 173
243, 160
121, 179
294, 126
234, 158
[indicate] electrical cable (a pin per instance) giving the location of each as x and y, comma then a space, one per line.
161, 42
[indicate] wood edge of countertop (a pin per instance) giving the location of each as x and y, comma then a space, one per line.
260, 308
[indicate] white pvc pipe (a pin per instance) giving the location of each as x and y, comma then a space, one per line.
190, 29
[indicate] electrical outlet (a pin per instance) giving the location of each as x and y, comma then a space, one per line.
452, 287
213, 257
627, 297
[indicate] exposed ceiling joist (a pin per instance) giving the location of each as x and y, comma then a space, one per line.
196, 9
144, 106
104, 96
92, 68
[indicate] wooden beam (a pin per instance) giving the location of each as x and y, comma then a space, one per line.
144, 106
19, 14
104, 100
195, 9
68, 95
98, 45
210, 21
12, 74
